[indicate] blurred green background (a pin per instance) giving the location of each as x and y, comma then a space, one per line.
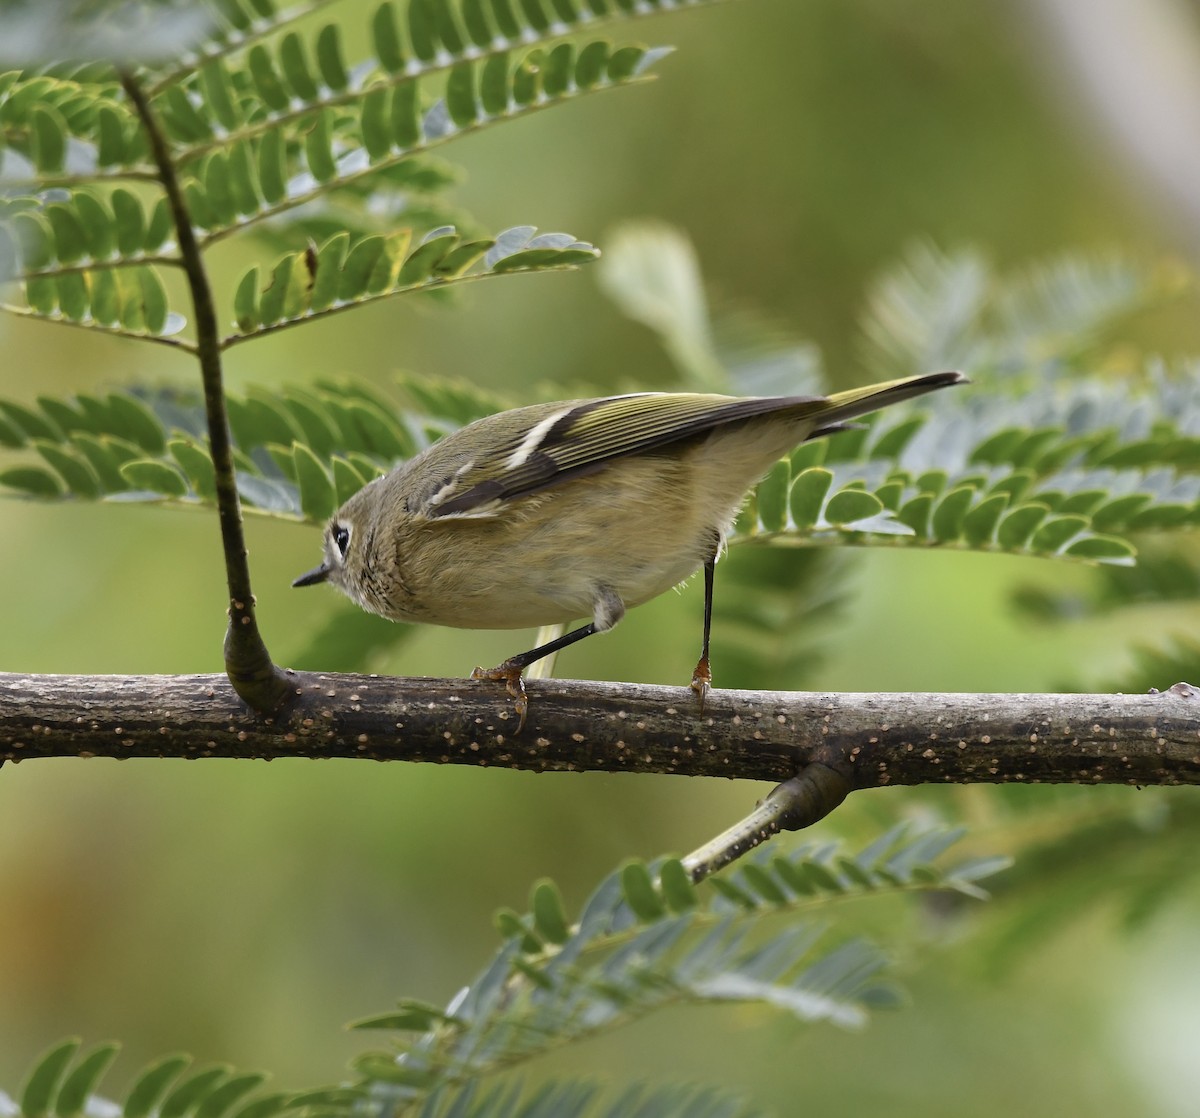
242, 911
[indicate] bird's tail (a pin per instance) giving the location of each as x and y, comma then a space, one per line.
842, 406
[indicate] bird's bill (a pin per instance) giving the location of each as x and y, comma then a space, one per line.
311, 578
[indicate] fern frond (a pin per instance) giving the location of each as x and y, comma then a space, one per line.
576, 1098
58, 131
645, 941
1067, 469
269, 167
64, 1084
935, 310
341, 275
236, 25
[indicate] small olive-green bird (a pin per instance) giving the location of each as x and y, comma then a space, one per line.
546, 514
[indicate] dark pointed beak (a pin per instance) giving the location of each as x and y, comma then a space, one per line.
311, 578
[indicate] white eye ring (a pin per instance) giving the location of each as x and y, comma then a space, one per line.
341, 539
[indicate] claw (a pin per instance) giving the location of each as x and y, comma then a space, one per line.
510, 674
702, 681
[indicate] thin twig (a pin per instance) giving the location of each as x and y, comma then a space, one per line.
99, 328
793, 805
251, 671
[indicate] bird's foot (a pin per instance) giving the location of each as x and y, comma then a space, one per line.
702, 681
510, 674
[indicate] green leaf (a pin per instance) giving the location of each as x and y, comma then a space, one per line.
331, 258
154, 476
763, 884
592, 65
346, 480
70, 242
1117, 513
386, 37
425, 258
272, 166
460, 95
245, 302
99, 226
329, 58
677, 888
49, 133
183, 119
949, 516
406, 116
549, 917
218, 190
559, 70
376, 124
459, 260
850, 505
772, 495
111, 148
220, 95
151, 1083
916, 514
73, 298
103, 459
10, 436
295, 67
277, 295
422, 29
38, 1094
1103, 549
197, 464
318, 148
154, 300
1017, 528
77, 475
1057, 531
494, 84
228, 1094
640, 894
29, 422
625, 63
192, 1092
83, 1080
161, 226
132, 420
243, 179
512, 927
32, 480
410, 1016
732, 893
979, 523
318, 498
266, 79
358, 268
261, 419
105, 298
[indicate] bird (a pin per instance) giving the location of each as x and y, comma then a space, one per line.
550, 513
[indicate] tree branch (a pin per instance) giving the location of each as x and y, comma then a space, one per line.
868, 740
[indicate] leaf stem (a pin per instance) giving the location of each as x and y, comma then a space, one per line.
248, 664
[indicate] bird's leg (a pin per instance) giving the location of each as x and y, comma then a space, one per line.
702, 676
609, 609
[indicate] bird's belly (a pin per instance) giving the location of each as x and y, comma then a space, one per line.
636, 535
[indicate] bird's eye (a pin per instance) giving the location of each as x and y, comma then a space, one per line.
341, 537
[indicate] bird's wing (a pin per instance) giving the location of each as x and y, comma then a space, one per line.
581, 436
